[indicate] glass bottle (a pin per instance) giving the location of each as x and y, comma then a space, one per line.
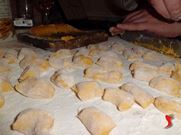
24, 11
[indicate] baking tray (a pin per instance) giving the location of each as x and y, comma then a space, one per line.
54, 42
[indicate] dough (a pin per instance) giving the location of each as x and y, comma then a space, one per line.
132, 54
5, 85
166, 69
123, 100
96, 122
61, 59
61, 79
143, 72
2, 100
110, 64
83, 61
88, 90
168, 105
141, 97
176, 74
96, 72
35, 88
4, 68
9, 56
33, 122
41, 63
26, 52
118, 47
167, 85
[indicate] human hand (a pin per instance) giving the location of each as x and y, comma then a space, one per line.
143, 21
170, 9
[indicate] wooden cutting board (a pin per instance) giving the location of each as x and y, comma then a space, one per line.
64, 40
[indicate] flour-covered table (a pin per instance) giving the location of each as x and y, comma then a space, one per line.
65, 105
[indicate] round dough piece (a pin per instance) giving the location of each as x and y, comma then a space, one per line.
33, 122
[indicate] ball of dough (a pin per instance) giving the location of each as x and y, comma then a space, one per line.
83, 61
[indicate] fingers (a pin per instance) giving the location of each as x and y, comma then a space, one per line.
161, 8
115, 31
174, 9
133, 26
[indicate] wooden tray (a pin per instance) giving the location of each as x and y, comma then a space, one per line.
54, 42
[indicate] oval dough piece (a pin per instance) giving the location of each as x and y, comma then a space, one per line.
2, 101
143, 98
96, 122
168, 105
123, 100
35, 88
167, 85
65, 80
96, 72
88, 90
33, 122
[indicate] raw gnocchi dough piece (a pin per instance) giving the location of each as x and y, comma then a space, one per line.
82, 60
5, 85
30, 72
143, 98
166, 69
110, 64
131, 54
10, 56
35, 88
118, 47
61, 59
61, 79
167, 85
168, 105
26, 52
122, 99
96, 121
176, 74
88, 90
143, 72
33, 122
41, 63
96, 72
2, 101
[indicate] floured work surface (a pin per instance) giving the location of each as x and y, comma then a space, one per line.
86, 82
